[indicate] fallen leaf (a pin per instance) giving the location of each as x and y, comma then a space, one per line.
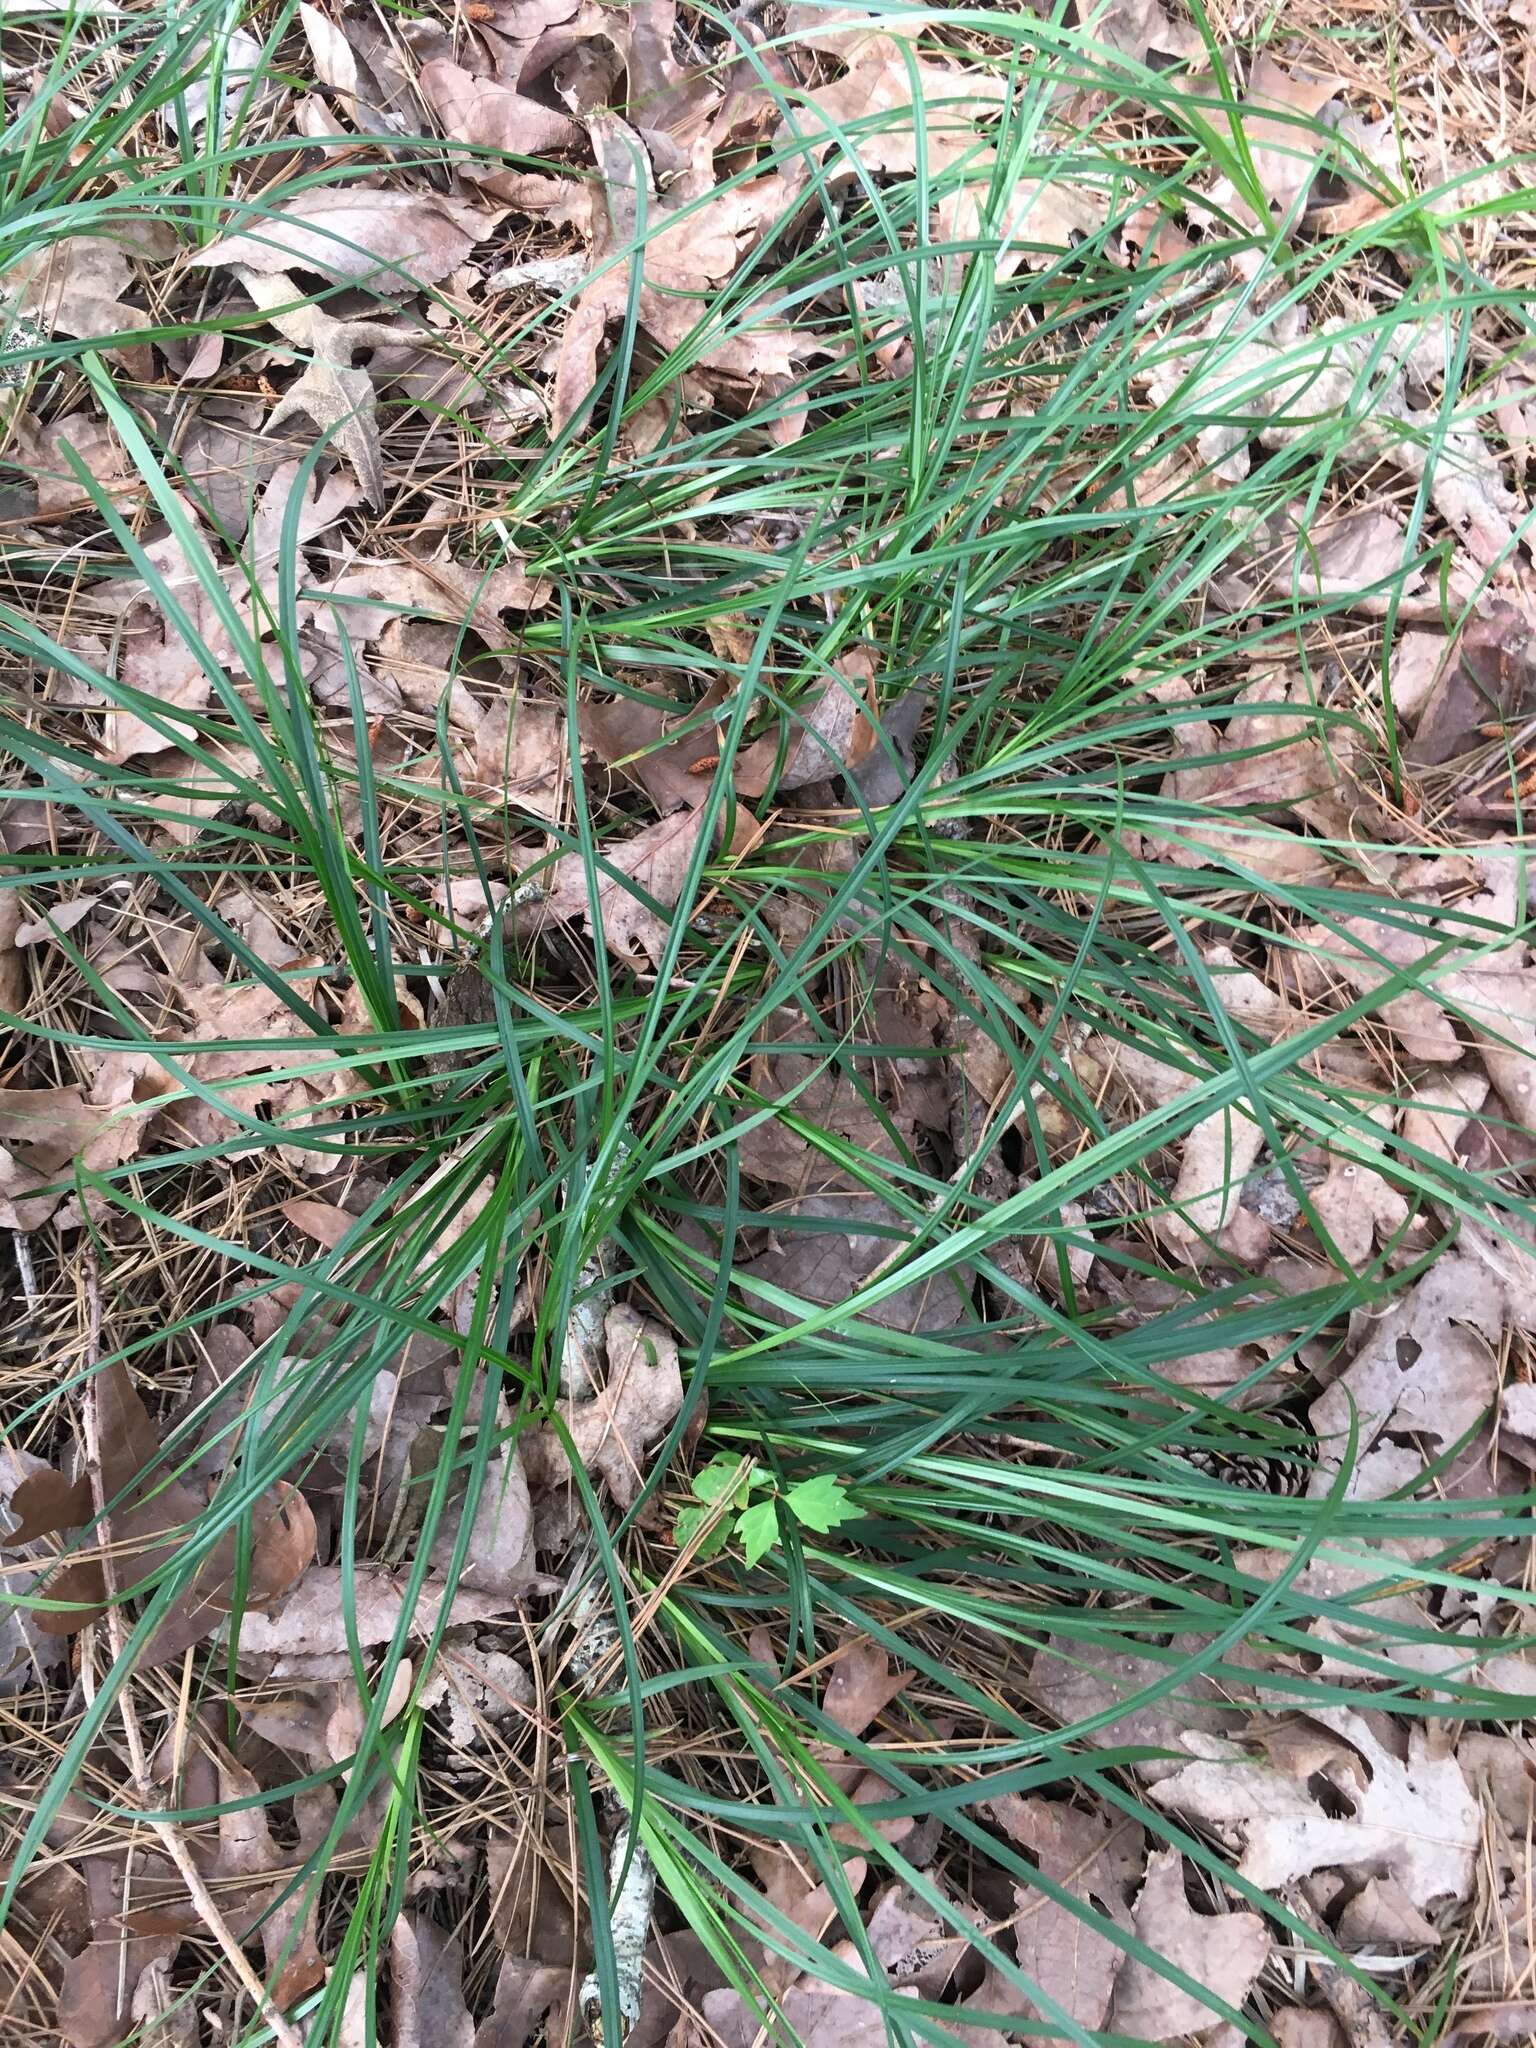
332, 393
1279, 113
1415, 1821
492, 117
861, 1685
1368, 951
656, 860
276, 1037
500, 1557
1079, 1681
1136, 26
246, 1849
96, 1986
1097, 1858
371, 593
355, 234
534, 2001
156, 655
35, 1501
46, 452
1223, 1951
519, 755
310, 1623
240, 75
74, 285
815, 2015
1488, 687
633, 735
614, 1429
682, 257
43, 1131
1214, 1161
1428, 1368
825, 1267
425, 1972
344, 1725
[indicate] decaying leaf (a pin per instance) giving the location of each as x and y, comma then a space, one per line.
311, 1622
656, 861
1429, 1367
76, 286
1415, 1821
1137, 26
491, 116
613, 1429
1485, 691
426, 1968
355, 234
1224, 1951
1278, 108
43, 1131
1098, 1861
1078, 1681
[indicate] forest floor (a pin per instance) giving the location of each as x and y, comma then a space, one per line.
766, 1148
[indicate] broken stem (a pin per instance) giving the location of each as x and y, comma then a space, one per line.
633, 1874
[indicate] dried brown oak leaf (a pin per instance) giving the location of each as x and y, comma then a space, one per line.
613, 1430
371, 593
43, 1131
656, 860
1095, 1857
1283, 767
246, 1849
1136, 26
278, 1037
835, 734
1413, 1820
1278, 119
75, 286
492, 116
687, 253
392, 241
148, 1514
1429, 1368
1079, 1681
311, 1621
426, 1966
1223, 1951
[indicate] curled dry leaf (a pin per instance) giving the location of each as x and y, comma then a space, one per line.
356, 234
1223, 1951
613, 1430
